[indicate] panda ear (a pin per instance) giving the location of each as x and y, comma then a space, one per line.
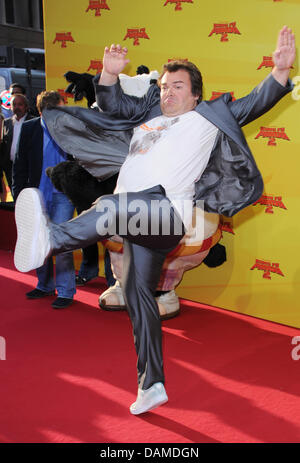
216, 256
81, 85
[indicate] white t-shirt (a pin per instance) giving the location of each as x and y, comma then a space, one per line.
168, 151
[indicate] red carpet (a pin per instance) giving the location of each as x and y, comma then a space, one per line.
70, 376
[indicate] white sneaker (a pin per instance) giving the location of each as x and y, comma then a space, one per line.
149, 399
113, 300
168, 305
33, 242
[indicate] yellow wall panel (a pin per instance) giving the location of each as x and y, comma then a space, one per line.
267, 241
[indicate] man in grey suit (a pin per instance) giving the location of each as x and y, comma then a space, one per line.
182, 149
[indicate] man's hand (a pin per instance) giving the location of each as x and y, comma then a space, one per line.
114, 61
284, 55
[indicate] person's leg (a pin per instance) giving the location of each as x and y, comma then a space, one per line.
144, 256
45, 277
3, 192
8, 172
45, 286
62, 210
107, 269
89, 267
141, 273
135, 216
114, 214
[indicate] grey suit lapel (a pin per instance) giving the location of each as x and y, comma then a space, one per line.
217, 112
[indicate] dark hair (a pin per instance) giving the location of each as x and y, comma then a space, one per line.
21, 87
142, 69
47, 100
193, 71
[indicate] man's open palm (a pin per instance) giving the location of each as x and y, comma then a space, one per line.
115, 59
285, 52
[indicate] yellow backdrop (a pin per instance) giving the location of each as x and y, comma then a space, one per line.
232, 42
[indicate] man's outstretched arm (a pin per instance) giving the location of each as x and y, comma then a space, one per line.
273, 87
109, 94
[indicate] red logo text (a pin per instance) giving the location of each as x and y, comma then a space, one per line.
224, 29
97, 5
95, 65
272, 133
267, 62
63, 37
178, 3
270, 202
267, 268
136, 34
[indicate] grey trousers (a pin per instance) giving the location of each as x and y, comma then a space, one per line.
144, 254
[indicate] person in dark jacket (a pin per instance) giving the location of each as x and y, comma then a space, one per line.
182, 149
11, 133
36, 152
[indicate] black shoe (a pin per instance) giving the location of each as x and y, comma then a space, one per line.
38, 294
81, 281
61, 302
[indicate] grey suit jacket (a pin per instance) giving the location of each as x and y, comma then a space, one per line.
100, 140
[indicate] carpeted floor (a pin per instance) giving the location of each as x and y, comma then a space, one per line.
70, 376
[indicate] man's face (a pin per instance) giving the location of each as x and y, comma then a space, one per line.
18, 107
176, 93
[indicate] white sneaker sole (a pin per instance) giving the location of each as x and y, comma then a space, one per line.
151, 398
29, 211
149, 408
